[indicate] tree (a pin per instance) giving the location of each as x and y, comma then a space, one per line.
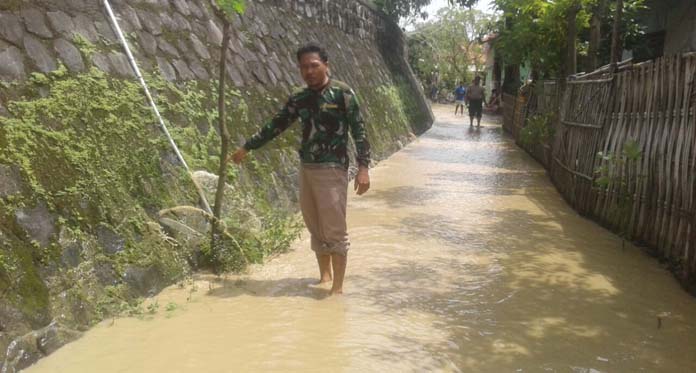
571, 65
631, 30
537, 32
598, 13
398, 9
616, 45
224, 10
550, 34
449, 45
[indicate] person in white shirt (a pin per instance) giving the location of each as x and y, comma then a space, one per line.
476, 96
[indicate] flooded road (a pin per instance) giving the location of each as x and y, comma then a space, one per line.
464, 258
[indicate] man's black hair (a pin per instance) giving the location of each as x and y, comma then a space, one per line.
313, 48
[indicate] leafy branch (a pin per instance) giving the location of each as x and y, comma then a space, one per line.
611, 177
538, 129
225, 9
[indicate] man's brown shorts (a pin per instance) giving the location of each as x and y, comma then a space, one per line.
323, 193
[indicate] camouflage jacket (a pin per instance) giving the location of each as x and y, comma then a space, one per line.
326, 117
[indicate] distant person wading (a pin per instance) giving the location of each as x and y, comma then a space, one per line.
460, 99
475, 96
328, 110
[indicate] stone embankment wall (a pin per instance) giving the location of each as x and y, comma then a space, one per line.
85, 173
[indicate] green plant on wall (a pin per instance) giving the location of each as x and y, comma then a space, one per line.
537, 130
230, 7
7, 268
68, 147
611, 178
225, 10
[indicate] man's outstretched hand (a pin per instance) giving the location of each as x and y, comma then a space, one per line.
238, 156
362, 181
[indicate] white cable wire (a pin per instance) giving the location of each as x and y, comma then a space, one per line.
134, 65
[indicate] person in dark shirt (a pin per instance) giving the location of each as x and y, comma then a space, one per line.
459, 97
328, 110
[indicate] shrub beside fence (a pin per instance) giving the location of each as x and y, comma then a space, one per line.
623, 151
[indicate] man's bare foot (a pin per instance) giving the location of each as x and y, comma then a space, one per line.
336, 291
324, 286
324, 280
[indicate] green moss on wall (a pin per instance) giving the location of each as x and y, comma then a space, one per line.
11, 4
89, 148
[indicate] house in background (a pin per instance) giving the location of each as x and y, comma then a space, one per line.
670, 29
495, 68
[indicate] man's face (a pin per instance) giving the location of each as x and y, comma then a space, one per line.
314, 71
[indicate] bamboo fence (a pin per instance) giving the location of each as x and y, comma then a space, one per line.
651, 105
514, 113
508, 111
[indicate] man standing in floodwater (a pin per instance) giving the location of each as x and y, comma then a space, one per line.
328, 110
476, 96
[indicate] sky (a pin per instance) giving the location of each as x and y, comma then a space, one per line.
435, 5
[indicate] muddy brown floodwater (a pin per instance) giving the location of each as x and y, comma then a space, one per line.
464, 258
